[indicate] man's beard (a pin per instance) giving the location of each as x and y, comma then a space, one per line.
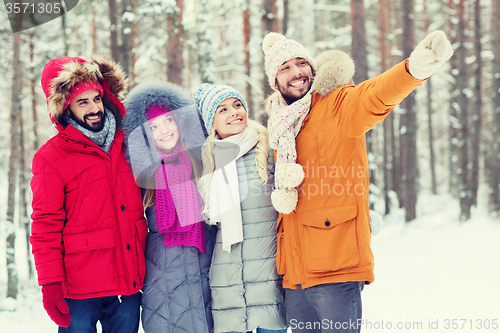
290, 98
97, 126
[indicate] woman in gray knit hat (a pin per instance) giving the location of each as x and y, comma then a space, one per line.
238, 177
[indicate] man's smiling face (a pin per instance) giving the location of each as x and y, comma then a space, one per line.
87, 110
294, 79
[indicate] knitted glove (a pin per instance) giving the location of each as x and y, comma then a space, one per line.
55, 305
429, 55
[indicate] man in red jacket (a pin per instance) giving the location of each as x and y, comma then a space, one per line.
88, 230
317, 122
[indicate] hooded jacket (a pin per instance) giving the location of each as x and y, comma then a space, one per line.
88, 230
326, 239
176, 290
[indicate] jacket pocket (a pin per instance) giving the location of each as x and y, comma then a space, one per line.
94, 240
142, 234
90, 262
329, 239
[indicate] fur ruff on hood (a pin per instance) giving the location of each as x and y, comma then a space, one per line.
72, 73
141, 150
333, 69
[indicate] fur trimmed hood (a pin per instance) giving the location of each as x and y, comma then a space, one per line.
60, 75
333, 69
141, 150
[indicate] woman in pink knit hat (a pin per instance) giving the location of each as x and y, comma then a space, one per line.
164, 143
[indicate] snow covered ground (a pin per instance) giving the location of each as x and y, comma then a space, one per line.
432, 275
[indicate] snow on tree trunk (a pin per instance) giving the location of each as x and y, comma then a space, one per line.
462, 101
33, 85
495, 165
286, 15
175, 61
384, 28
396, 140
115, 48
93, 25
64, 34
12, 282
409, 123
133, 34
432, 159
126, 46
360, 57
23, 191
268, 18
246, 49
206, 67
478, 103
453, 117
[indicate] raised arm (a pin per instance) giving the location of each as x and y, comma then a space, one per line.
359, 108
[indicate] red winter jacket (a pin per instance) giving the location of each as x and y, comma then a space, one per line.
88, 228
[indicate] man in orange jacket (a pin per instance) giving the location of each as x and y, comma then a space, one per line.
317, 122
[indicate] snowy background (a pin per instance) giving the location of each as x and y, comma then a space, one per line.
433, 269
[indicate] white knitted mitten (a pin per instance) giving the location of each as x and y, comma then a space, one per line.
376, 222
429, 55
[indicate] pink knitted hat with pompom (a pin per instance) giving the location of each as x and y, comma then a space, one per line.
277, 50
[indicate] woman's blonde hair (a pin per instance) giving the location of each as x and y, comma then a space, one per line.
150, 197
261, 155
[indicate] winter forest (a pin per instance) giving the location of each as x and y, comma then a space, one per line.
438, 150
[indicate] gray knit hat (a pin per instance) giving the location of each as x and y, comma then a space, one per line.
208, 97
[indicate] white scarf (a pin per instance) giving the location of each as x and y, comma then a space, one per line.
225, 197
284, 125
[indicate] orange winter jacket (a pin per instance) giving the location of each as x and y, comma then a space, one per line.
327, 237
